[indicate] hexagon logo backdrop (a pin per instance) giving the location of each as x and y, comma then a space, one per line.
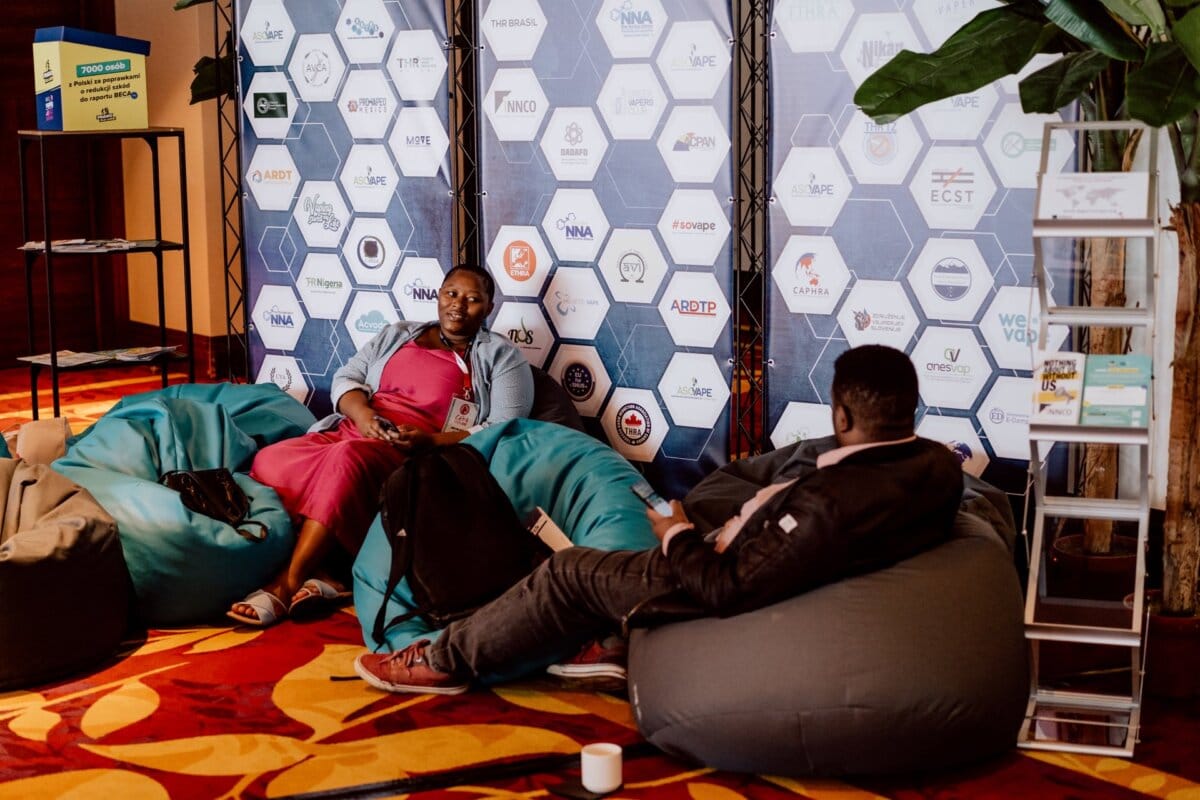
337, 205
925, 222
605, 170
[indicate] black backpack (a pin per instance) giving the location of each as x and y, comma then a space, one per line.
454, 536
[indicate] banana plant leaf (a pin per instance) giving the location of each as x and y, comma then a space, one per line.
1166, 88
1056, 85
995, 43
1090, 23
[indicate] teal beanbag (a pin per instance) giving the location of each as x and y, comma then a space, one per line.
187, 567
583, 485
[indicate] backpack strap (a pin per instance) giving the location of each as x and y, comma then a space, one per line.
401, 556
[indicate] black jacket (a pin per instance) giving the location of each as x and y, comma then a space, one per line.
876, 507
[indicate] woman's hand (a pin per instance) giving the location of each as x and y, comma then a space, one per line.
373, 426
410, 437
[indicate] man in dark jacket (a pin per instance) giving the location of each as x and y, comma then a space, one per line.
881, 496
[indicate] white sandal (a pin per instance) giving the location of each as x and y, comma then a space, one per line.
264, 604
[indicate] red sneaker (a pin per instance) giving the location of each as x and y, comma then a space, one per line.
598, 659
406, 671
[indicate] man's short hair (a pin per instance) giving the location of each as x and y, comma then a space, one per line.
485, 277
879, 387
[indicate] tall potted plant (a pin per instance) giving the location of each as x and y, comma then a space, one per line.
1121, 60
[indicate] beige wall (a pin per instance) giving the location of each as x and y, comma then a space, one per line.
177, 40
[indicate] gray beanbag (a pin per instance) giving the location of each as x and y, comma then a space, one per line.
64, 588
918, 666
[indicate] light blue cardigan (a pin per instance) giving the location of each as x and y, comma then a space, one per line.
500, 374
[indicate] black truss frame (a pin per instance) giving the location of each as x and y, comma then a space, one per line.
751, 284
752, 18
229, 120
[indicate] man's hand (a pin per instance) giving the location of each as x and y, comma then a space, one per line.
410, 437
660, 524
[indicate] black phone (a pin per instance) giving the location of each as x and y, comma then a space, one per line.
651, 498
387, 425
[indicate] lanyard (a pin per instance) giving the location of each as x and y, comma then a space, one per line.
464, 363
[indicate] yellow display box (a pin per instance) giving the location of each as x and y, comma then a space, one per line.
88, 81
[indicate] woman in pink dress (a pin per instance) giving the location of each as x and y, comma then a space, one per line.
414, 385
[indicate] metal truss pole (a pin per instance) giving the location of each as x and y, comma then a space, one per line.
462, 52
748, 435
229, 118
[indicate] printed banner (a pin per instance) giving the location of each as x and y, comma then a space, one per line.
606, 171
914, 234
347, 209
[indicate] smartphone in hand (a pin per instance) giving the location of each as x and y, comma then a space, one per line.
388, 426
651, 498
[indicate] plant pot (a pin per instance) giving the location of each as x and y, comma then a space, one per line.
1172, 654
1071, 573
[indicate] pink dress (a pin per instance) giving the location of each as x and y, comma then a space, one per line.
334, 477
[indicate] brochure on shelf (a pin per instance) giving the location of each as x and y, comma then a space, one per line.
71, 358
1058, 387
1094, 195
1116, 390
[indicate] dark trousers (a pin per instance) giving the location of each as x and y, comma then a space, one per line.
575, 595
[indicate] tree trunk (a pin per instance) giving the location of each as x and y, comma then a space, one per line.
1181, 545
1105, 258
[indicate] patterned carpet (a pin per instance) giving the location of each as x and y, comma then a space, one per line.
230, 712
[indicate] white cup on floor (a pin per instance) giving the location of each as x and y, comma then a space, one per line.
600, 765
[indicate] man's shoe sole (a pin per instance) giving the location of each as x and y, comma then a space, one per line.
587, 671
387, 686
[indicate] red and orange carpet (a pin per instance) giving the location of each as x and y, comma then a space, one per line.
231, 712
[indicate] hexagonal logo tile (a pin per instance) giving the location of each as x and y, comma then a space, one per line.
878, 312
694, 309
631, 101
874, 40
416, 288
632, 265
270, 105
694, 59
694, 390
812, 26
417, 64
695, 226
316, 67
519, 260
950, 279
810, 274
634, 424
939, 19
800, 422
513, 28
272, 177
812, 187
694, 144
575, 303
515, 105
368, 178
277, 317
1004, 417
958, 434
370, 312
364, 29
367, 104
284, 372
880, 153
267, 32
371, 251
525, 326
581, 372
575, 225
952, 187
959, 117
323, 286
1010, 328
951, 367
419, 142
321, 214
631, 28
573, 144
1014, 146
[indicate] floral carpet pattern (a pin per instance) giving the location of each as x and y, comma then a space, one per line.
230, 712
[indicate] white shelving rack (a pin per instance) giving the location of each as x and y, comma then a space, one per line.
1095, 206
